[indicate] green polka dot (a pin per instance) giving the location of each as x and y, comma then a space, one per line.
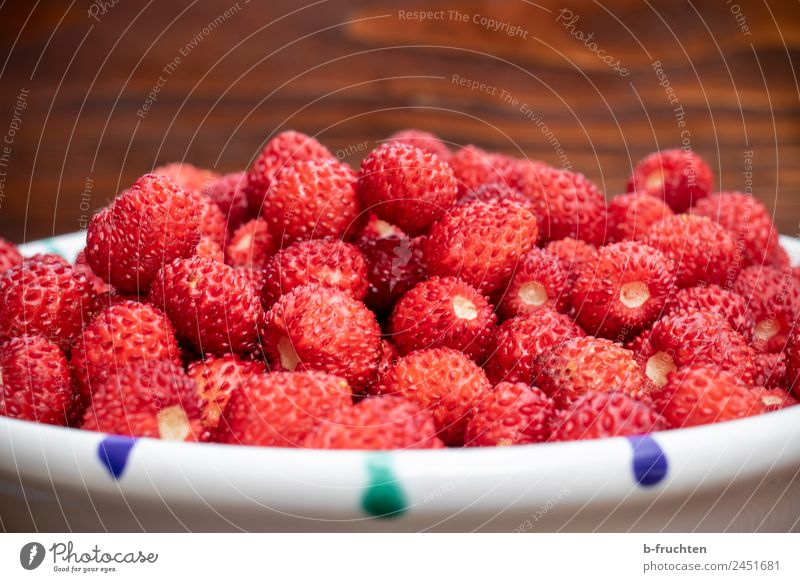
383, 496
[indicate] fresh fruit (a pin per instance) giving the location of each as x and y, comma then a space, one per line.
394, 265
376, 228
212, 222
443, 312
208, 249
406, 186
480, 243
147, 226
494, 192
474, 167
511, 414
623, 290
699, 395
424, 140
9, 255
520, 343
679, 177
228, 192
327, 262
35, 382
597, 415
631, 215
210, 304
251, 245
319, 328
771, 371
311, 199
775, 398
378, 423
773, 299
443, 381
793, 364
540, 282
187, 176
715, 299
280, 409
81, 266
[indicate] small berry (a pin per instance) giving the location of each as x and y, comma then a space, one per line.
775, 398
186, 176
208, 249
375, 229
394, 265
715, 299
773, 299
793, 364
81, 266
597, 415
572, 253
511, 414
540, 282
680, 178
494, 192
9, 255
424, 140
211, 222
251, 245
631, 215
474, 167
771, 371
229, 194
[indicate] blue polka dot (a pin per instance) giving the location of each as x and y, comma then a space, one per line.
649, 461
113, 452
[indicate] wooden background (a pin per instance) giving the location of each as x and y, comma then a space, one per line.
351, 72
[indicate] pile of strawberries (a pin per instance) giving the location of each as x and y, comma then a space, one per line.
433, 298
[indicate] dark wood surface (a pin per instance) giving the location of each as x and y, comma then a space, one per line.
353, 72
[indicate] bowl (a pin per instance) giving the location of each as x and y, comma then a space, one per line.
742, 475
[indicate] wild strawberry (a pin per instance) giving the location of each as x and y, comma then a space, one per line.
520, 341
281, 151
394, 265
375, 229
775, 398
704, 252
81, 266
47, 297
698, 338
540, 281
123, 333
318, 328
228, 192
771, 371
443, 381
567, 205
597, 415
208, 249
494, 192
473, 167
35, 382
443, 312
746, 218
148, 225
280, 409
153, 399
699, 395
311, 199
680, 178
379, 423
251, 245
773, 298
480, 243
511, 414
777, 257
631, 215
389, 357
211, 220
793, 364
210, 305
9, 255
588, 364
216, 379
623, 290
406, 186
572, 253
186, 176
424, 140
713, 298
330, 263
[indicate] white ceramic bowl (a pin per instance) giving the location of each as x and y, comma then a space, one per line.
735, 476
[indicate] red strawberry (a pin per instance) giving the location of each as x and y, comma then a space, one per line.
567, 205
773, 298
679, 177
330, 263
210, 304
379, 423
389, 357
540, 282
703, 251
211, 220
777, 257
775, 398
443, 312
81, 266
597, 415
424, 140
572, 253
771, 371
153, 399
280, 152
713, 298
228, 192
375, 228
480, 243
494, 192
793, 364
45, 296
147, 226
441, 380
394, 265
186, 176
251, 245
318, 328
208, 249
631, 215
623, 290
702, 395
746, 218
216, 379
406, 186
473, 167
9, 255
282, 408
311, 199
699, 338
520, 342
123, 333
511, 414
35, 382
588, 364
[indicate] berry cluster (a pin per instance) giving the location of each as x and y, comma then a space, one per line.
433, 298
